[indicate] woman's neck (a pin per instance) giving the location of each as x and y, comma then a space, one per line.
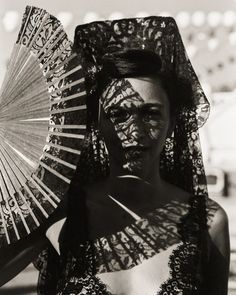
151, 177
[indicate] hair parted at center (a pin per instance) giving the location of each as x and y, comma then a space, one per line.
135, 63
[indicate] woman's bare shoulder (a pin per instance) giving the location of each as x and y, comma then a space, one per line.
218, 227
217, 217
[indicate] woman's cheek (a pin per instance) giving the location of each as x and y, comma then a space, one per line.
121, 132
154, 133
154, 129
125, 132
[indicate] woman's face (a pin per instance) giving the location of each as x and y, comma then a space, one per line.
135, 119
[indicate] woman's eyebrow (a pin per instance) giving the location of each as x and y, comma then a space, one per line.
132, 106
151, 105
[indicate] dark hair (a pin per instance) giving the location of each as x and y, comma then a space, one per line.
144, 63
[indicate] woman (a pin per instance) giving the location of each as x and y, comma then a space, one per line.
139, 222
147, 227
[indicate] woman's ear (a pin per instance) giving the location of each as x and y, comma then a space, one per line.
171, 126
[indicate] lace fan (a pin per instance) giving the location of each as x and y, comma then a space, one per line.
42, 124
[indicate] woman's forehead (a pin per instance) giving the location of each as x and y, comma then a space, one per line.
150, 89
137, 90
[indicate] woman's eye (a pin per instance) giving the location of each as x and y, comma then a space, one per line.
118, 114
152, 114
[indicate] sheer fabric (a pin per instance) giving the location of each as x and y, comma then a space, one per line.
171, 240
164, 252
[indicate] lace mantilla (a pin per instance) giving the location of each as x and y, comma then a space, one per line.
78, 275
185, 261
172, 224
180, 164
158, 34
140, 240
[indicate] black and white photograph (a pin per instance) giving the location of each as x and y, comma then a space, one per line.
117, 147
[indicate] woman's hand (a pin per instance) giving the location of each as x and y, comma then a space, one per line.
14, 258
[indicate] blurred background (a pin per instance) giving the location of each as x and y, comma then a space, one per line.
208, 29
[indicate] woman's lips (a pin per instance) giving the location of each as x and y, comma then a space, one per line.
136, 148
133, 152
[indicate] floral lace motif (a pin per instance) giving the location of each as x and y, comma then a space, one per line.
35, 196
84, 286
140, 240
185, 261
78, 274
157, 34
181, 164
159, 230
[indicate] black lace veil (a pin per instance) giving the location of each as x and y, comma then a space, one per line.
181, 160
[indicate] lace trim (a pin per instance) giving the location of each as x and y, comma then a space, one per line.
88, 285
140, 240
185, 261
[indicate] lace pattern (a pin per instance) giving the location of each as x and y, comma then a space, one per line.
185, 261
34, 191
158, 34
84, 286
181, 164
140, 240
173, 224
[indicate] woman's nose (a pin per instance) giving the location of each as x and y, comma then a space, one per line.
137, 129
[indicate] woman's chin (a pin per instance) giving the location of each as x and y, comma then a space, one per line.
136, 168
